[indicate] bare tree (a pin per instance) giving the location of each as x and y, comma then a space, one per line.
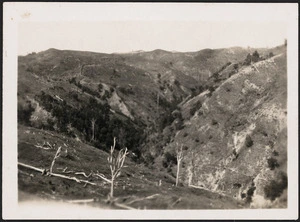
93, 121
179, 159
157, 103
115, 163
122, 137
55, 157
191, 169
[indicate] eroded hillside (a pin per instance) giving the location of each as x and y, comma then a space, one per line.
236, 142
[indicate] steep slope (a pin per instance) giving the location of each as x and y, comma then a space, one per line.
236, 142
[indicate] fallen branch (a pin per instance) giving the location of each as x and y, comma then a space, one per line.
145, 198
45, 146
83, 173
124, 206
81, 201
203, 188
56, 174
64, 170
103, 178
72, 178
31, 167
27, 174
176, 202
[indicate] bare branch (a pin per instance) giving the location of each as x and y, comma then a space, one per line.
55, 157
57, 175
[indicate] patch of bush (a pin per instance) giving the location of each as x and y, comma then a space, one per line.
271, 54
176, 82
243, 195
272, 163
196, 107
126, 91
248, 141
255, 57
250, 193
185, 134
237, 185
100, 87
162, 88
25, 112
275, 188
214, 122
107, 126
271, 143
169, 160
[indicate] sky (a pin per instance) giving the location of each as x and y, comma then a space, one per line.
128, 36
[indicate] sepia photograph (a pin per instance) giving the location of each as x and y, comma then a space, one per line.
150, 110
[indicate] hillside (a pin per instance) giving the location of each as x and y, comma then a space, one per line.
236, 142
225, 107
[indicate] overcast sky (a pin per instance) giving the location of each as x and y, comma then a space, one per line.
126, 36
129, 27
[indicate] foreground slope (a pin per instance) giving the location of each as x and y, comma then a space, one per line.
136, 188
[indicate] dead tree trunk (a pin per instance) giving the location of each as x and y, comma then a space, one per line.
93, 121
179, 158
55, 157
115, 163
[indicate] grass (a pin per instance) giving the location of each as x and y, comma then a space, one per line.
135, 182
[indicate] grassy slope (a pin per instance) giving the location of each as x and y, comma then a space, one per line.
136, 181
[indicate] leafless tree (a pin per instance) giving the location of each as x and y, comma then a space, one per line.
122, 137
115, 163
191, 169
55, 157
179, 159
93, 121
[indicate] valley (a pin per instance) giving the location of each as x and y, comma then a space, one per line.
226, 108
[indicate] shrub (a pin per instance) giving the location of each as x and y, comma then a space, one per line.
236, 66
214, 122
272, 163
275, 188
248, 60
176, 82
196, 107
100, 87
126, 91
255, 56
25, 112
249, 141
169, 159
250, 193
